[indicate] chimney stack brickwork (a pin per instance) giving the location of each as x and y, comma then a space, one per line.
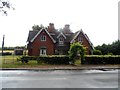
66, 29
51, 27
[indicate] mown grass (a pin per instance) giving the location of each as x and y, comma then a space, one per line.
78, 62
11, 51
11, 62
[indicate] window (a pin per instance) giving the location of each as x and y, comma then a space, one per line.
43, 51
61, 40
80, 39
43, 38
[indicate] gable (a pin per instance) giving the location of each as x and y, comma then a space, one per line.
83, 35
61, 34
40, 32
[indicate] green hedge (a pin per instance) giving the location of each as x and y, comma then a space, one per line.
54, 59
61, 59
102, 59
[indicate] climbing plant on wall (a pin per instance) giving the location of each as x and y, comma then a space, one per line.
77, 51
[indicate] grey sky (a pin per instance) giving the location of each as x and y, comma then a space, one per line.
97, 18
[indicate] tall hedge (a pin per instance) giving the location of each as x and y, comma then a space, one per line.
58, 59
102, 59
54, 59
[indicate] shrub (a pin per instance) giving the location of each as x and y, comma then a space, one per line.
54, 59
6, 53
77, 51
102, 59
97, 52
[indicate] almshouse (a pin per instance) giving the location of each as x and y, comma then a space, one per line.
50, 41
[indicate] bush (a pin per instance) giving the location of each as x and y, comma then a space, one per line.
97, 52
6, 53
102, 59
77, 51
54, 59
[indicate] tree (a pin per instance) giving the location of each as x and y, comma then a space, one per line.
77, 51
97, 52
4, 6
37, 27
113, 48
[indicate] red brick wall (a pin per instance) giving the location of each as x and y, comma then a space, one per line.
37, 44
30, 52
84, 43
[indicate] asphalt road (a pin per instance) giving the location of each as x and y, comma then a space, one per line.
59, 79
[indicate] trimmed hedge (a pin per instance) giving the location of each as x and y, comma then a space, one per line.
54, 59
6, 53
102, 59
61, 59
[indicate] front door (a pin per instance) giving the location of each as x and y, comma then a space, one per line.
42, 51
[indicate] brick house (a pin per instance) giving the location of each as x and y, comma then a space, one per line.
50, 41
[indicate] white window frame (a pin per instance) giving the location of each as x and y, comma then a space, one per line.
43, 38
61, 41
43, 51
80, 39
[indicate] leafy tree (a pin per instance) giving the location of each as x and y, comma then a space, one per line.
113, 48
37, 27
77, 51
97, 52
4, 5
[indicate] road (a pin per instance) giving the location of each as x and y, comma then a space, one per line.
59, 79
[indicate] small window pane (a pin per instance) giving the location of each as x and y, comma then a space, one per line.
61, 40
80, 39
43, 38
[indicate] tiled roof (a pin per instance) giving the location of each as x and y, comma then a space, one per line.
69, 36
31, 35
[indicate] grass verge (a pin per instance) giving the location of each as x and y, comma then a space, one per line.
11, 62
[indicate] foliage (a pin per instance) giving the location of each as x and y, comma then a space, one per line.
77, 50
97, 52
4, 5
102, 59
12, 48
113, 48
11, 62
6, 53
53, 59
37, 27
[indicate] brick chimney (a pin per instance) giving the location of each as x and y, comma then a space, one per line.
51, 27
66, 29
67, 26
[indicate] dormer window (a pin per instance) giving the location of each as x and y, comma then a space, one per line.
61, 40
43, 38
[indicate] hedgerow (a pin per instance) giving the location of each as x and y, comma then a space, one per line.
102, 59
62, 59
53, 59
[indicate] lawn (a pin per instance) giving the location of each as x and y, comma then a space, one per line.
11, 62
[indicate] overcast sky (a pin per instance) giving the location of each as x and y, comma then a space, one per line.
97, 18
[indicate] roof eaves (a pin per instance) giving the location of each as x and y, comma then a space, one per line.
36, 35
88, 39
40, 32
62, 35
75, 36
50, 36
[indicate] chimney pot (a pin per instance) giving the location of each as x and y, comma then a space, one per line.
51, 27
